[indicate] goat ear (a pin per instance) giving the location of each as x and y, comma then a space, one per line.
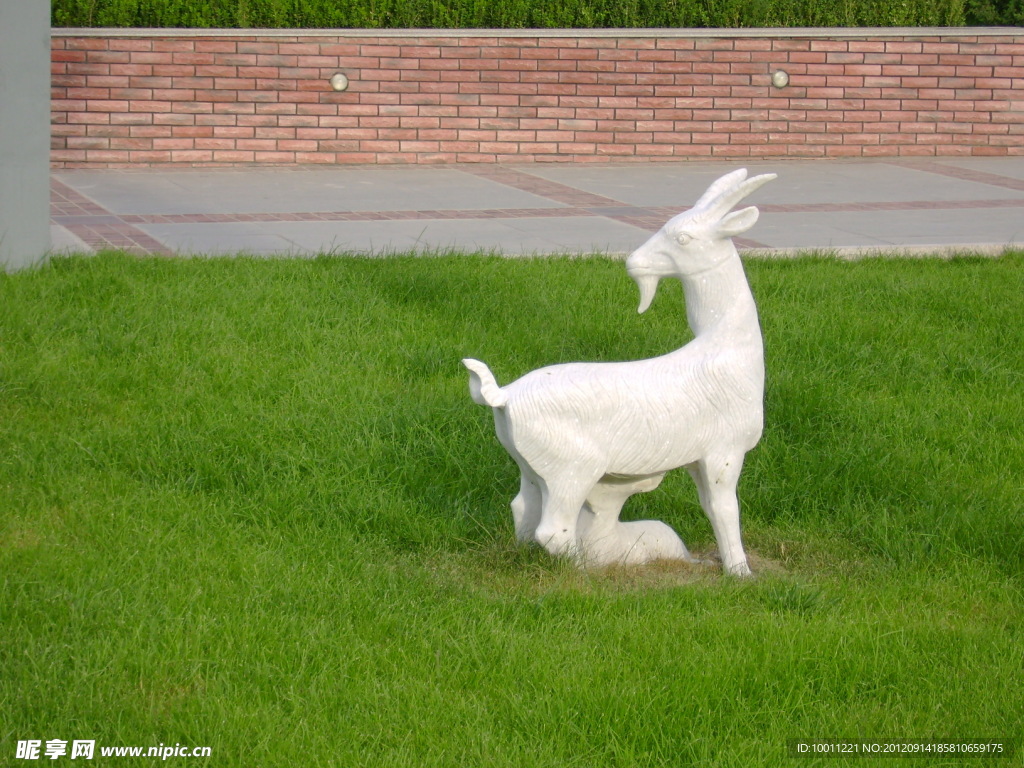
738, 222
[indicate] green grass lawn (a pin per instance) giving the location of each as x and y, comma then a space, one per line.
249, 505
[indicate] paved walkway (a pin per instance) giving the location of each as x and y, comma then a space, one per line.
973, 204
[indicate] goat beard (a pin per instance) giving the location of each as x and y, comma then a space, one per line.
648, 285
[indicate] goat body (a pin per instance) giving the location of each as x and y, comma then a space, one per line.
631, 418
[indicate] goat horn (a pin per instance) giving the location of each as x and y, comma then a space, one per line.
722, 185
728, 199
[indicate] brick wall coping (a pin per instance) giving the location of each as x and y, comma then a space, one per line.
772, 32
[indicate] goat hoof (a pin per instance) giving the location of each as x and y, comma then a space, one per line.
740, 570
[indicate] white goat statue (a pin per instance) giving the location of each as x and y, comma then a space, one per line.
586, 436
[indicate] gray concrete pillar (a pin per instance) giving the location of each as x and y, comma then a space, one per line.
24, 132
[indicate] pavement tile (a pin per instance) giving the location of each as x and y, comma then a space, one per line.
532, 209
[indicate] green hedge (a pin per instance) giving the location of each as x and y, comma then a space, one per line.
995, 12
520, 14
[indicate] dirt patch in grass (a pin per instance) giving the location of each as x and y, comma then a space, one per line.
670, 573
505, 567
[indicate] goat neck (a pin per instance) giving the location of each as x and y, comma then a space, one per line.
718, 300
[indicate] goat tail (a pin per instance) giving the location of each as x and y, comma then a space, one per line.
482, 387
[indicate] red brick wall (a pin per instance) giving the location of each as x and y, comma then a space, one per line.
155, 97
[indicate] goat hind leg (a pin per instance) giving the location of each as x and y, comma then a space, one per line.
562, 503
526, 508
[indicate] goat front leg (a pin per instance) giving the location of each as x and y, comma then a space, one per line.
716, 480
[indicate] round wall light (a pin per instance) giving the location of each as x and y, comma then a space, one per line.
339, 82
780, 78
